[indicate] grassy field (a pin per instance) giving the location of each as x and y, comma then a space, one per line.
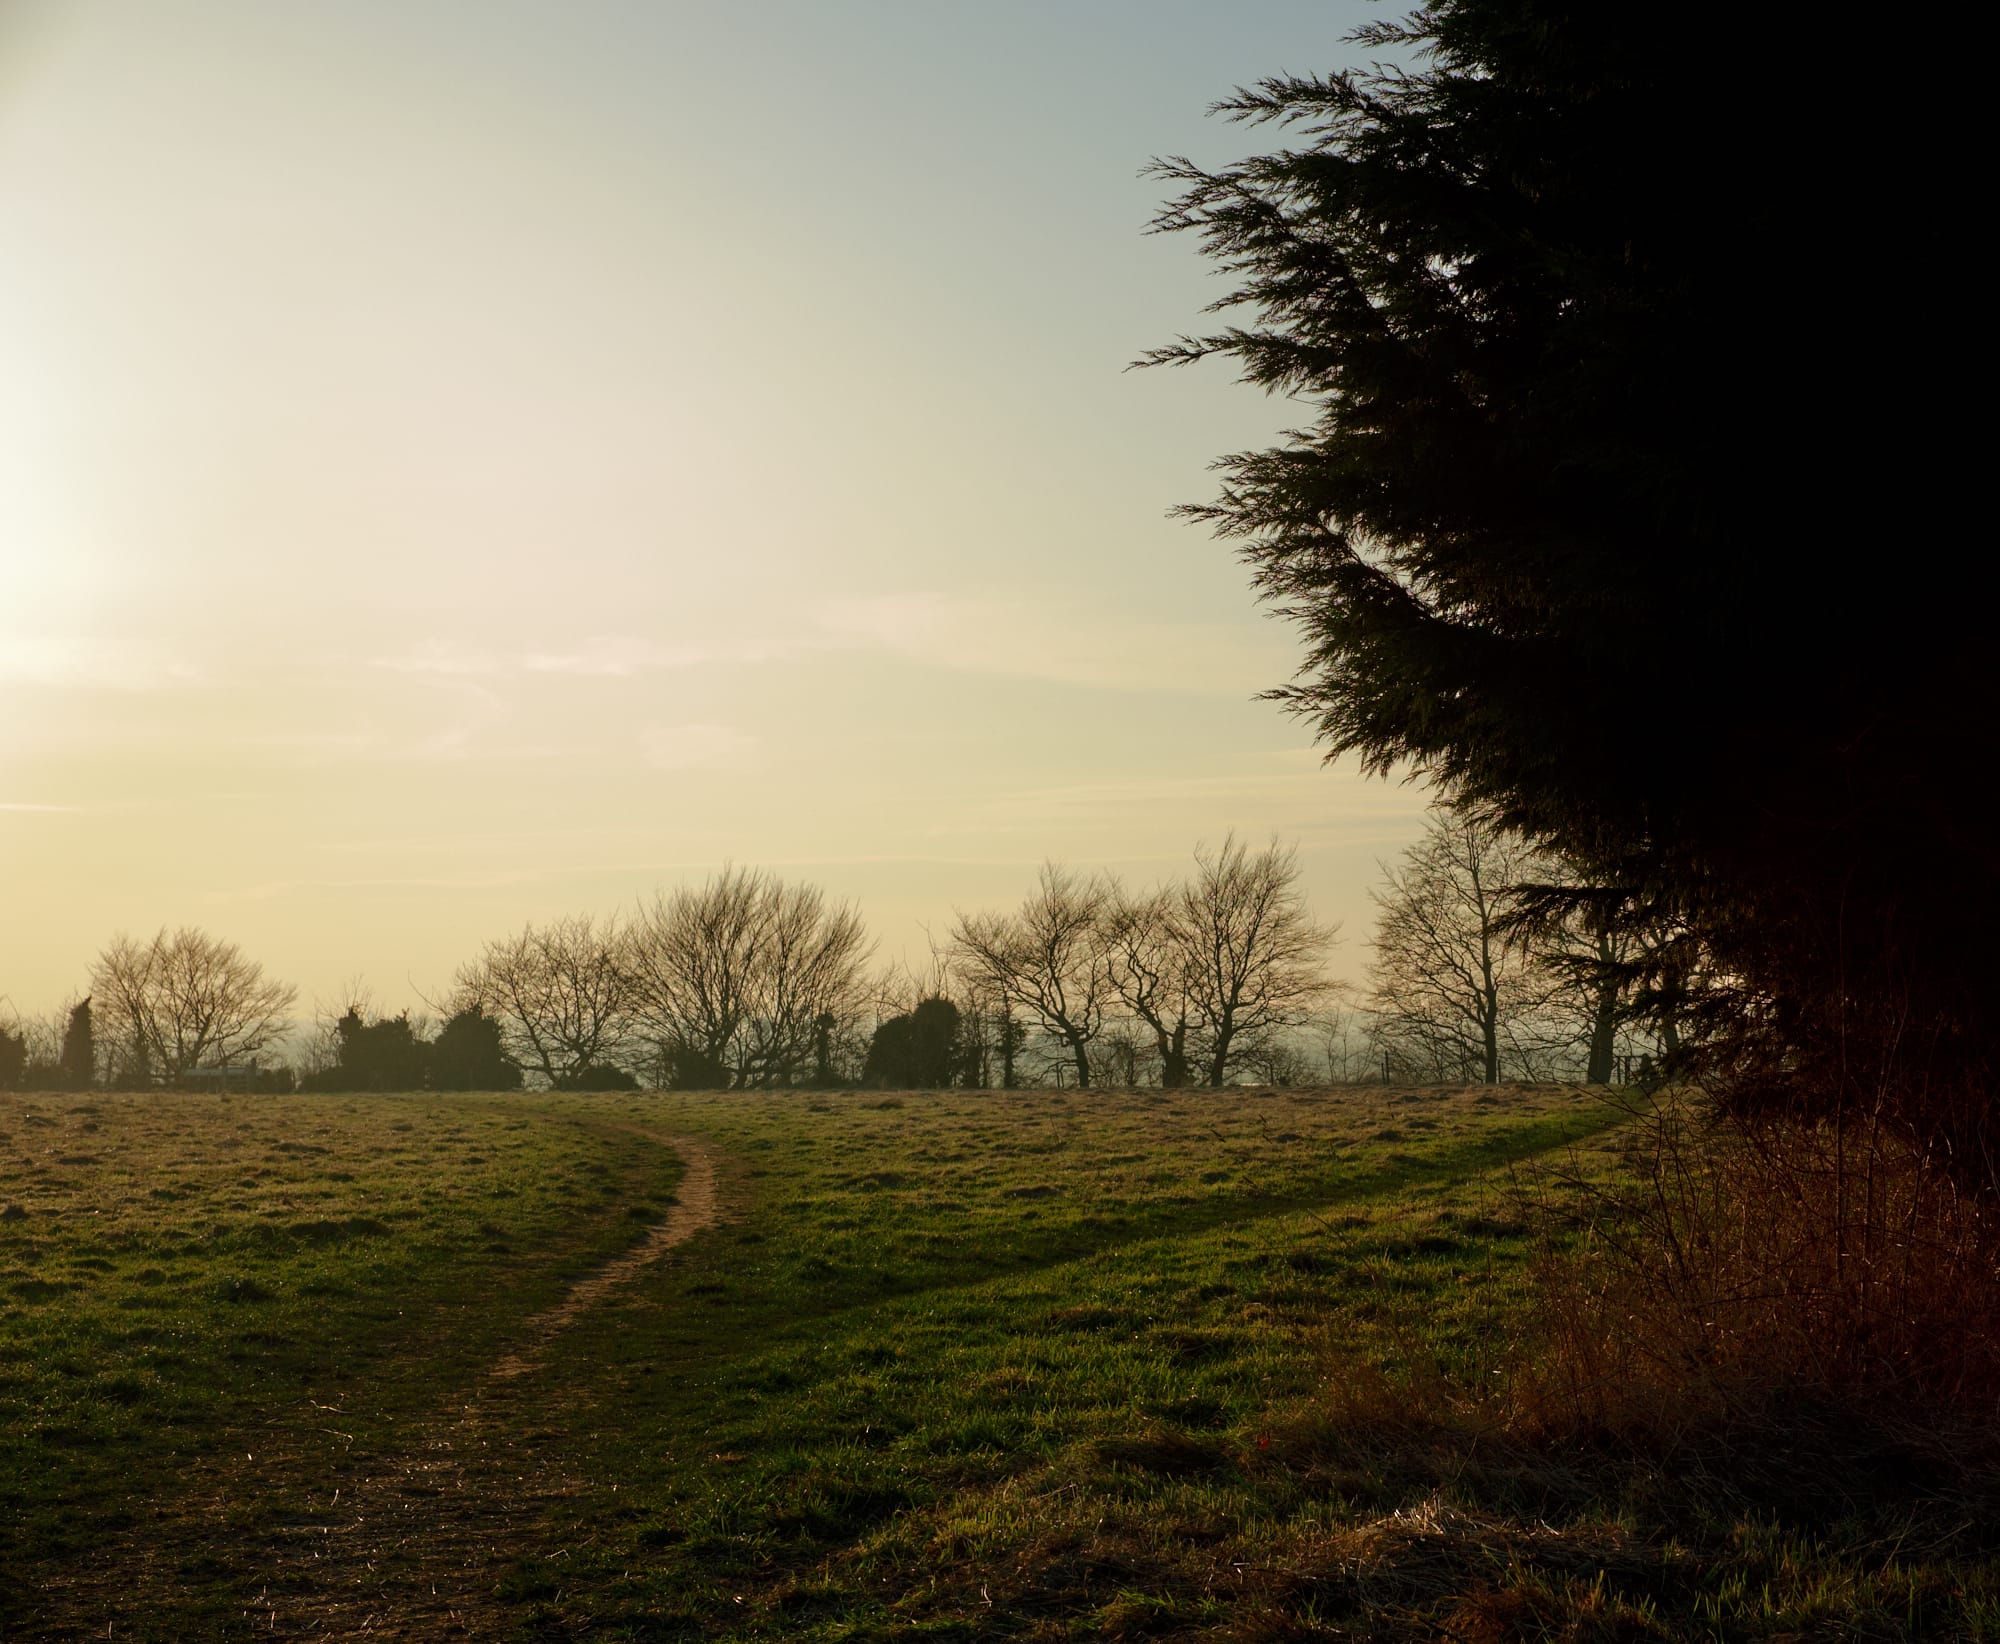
1036, 1365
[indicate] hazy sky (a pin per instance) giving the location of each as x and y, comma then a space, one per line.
466, 462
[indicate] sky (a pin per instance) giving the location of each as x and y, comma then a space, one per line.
465, 463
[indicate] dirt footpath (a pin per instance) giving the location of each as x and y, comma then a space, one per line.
695, 1209
412, 1543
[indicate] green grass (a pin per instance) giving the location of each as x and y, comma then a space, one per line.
952, 1366
182, 1275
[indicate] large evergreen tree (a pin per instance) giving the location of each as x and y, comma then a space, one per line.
468, 1054
385, 1054
1603, 507
916, 1051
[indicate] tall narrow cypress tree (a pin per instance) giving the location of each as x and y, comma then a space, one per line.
79, 1048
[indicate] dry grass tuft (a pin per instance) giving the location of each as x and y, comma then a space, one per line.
1761, 1394
1798, 1277
1582, 1612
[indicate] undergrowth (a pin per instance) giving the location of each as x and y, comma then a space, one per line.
1769, 1270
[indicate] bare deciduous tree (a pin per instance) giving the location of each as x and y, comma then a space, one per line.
185, 1000
808, 980
1339, 1036
1151, 969
1587, 956
1122, 1055
1279, 1059
1454, 995
688, 957
558, 992
745, 980
1621, 979
1255, 957
1050, 959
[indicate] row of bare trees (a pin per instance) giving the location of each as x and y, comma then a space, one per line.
746, 981
1205, 969
743, 982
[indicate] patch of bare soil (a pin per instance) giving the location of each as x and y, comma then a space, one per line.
409, 1545
695, 1209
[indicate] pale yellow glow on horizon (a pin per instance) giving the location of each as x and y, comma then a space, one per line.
456, 471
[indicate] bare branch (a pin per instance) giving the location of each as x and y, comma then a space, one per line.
183, 1001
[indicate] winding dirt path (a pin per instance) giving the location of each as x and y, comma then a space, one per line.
694, 1209
410, 1544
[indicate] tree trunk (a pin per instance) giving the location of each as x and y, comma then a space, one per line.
1603, 1035
1489, 993
1082, 1064
1490, 1029
1174, 1059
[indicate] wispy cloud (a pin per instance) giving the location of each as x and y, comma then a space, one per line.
623, 657
1017, 637
444, 661
603, 656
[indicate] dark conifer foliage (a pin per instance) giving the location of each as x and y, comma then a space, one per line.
1606, 505
384, 1054
468, 1055
79, 1048
919, 1050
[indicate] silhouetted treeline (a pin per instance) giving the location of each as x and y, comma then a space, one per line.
747, 982
390, 1053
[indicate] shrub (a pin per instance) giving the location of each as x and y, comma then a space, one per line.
1759, 1265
